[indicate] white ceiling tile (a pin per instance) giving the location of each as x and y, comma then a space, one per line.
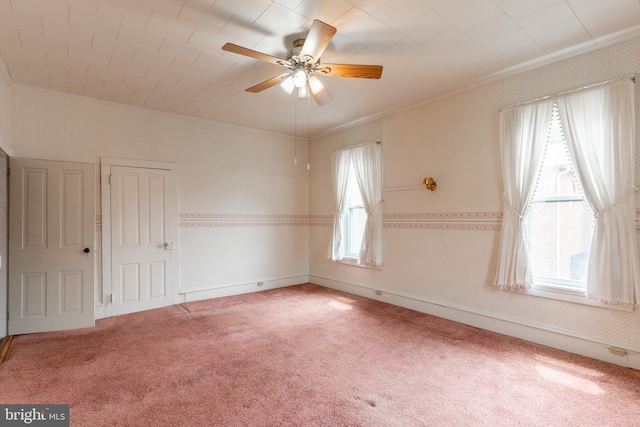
614, 25
59, 62
396, 12
138, 37
597, 9
425, 26
10, 42
326, 10
125, 11
207, 39
170, 27
368, 31
445, 8
83, 7
524, 56
38, 77
204, 15
475, 14
126, 65
66, 34
289, 4
89, 21
547, 18
494, 30
506, 45
141, 82
178, 50
105, 73
236, 31
77, 66
168, 7
446, 41
108, 47
35, 59
561, 36
187, 69
518, 9
214, 63
368, 5
153, 59
280, 20
56, 9
574, 3
464, 52
117, 86
96, 56
245, 11
162, 76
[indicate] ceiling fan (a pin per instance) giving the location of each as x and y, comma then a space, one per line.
303, 63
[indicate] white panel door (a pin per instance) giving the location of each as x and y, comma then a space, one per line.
51, 238
141, 249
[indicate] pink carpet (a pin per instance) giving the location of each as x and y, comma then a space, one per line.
309, 356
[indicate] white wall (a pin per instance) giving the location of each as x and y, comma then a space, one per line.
441, 247
242, 185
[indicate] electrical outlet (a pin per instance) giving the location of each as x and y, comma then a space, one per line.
618, 351
260, 283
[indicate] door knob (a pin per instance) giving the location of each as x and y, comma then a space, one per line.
86, 250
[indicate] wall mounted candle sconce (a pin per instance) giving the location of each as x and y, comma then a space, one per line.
430, 183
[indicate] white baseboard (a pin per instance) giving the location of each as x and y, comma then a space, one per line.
572, 342
196, 294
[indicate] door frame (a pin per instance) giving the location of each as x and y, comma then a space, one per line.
106, 308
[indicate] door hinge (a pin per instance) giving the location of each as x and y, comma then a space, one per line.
109, 179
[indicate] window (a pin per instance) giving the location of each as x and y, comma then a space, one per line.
559, 222
356, 217
549, 239
357, 223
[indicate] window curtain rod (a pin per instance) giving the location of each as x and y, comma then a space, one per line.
631, 77
377, 141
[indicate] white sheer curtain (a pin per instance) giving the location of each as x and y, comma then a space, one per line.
367, 163
599, 126
523, 135
340, 171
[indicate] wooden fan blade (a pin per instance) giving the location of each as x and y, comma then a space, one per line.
267, 84
234, 48
317, 40
322, 97
351, 70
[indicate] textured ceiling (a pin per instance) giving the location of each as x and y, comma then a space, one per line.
166, 54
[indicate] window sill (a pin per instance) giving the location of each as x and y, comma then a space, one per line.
354, 262
575, 298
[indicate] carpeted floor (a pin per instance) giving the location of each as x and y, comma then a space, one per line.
310, 356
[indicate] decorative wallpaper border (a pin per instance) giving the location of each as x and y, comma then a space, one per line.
488, 221
241, 220
479, 221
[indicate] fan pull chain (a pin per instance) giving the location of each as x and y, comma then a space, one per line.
308, 119
295, 131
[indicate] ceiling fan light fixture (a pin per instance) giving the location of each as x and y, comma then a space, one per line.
315, 84
300, 77
303, 92
288, 84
